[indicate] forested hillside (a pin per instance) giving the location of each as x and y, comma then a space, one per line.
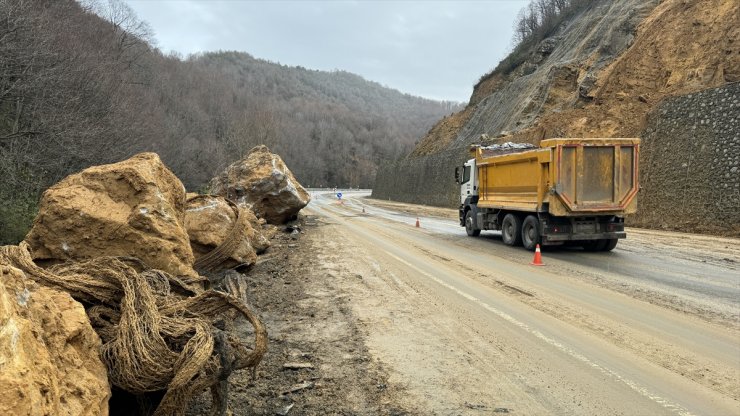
81, 84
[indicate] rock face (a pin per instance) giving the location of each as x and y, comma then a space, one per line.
132, 208
665, 71
49, 354
690, 157
263, 183
212, 222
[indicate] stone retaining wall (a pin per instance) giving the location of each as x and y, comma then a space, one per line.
428, 180
690, 164
689, 167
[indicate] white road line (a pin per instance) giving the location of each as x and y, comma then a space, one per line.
678, 409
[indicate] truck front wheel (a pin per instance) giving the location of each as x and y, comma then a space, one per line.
530, 232
469, 227
511, 230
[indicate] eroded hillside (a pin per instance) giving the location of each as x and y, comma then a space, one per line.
603, 73
623, 68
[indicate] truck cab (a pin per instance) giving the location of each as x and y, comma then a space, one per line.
465, 176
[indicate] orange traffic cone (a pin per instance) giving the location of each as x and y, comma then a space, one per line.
417, 222
537, 257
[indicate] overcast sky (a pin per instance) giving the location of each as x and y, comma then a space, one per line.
434, 49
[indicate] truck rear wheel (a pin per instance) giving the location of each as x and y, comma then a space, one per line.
511, 230
594, 245
469, 227
530, 232
610, 244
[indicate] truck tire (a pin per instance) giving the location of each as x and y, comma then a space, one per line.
610, 244
469, 228
511, 230
594, 245
530, 232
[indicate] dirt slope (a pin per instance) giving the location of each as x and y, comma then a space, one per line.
682, 47
665, 71
603, 73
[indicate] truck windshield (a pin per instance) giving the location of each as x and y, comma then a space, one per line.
466, 174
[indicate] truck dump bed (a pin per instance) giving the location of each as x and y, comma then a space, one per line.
565, 177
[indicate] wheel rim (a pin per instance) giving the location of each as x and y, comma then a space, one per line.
528, 234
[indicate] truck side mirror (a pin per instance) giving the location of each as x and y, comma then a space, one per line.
457, 175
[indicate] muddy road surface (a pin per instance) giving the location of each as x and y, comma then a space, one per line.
466, 326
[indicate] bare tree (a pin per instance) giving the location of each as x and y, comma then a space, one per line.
82, 85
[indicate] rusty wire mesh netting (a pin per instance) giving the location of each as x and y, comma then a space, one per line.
158, 332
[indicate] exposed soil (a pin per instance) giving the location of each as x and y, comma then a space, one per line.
679, 47
307, 309
350, 308
443, 133
682, 47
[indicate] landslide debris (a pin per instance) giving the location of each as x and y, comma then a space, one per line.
602, 73
263, 183
222, 234
49, 354
314, 337
159, 333
116, 241
131, 208
679, 48
616, 68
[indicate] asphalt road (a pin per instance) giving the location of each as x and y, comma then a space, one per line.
469, 326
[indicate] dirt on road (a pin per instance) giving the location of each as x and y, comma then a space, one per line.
317, 361
371, 317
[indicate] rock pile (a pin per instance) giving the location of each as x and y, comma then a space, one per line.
159, 334
124, 241
506, 148
131, 208
222, 235
49, 354
262, 183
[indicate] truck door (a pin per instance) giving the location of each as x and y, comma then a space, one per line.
468, 185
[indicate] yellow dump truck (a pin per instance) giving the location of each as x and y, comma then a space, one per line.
567, 190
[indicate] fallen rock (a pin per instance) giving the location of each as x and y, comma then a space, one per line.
299, 387
547, 46
158, 332
49, 353
283, 411
260, 239
262, 183
587, 87
132, 208
297, 366
214, 223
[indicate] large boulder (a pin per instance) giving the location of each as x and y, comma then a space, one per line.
260, 238
213, 223
262, 183
49, 354
132, 208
